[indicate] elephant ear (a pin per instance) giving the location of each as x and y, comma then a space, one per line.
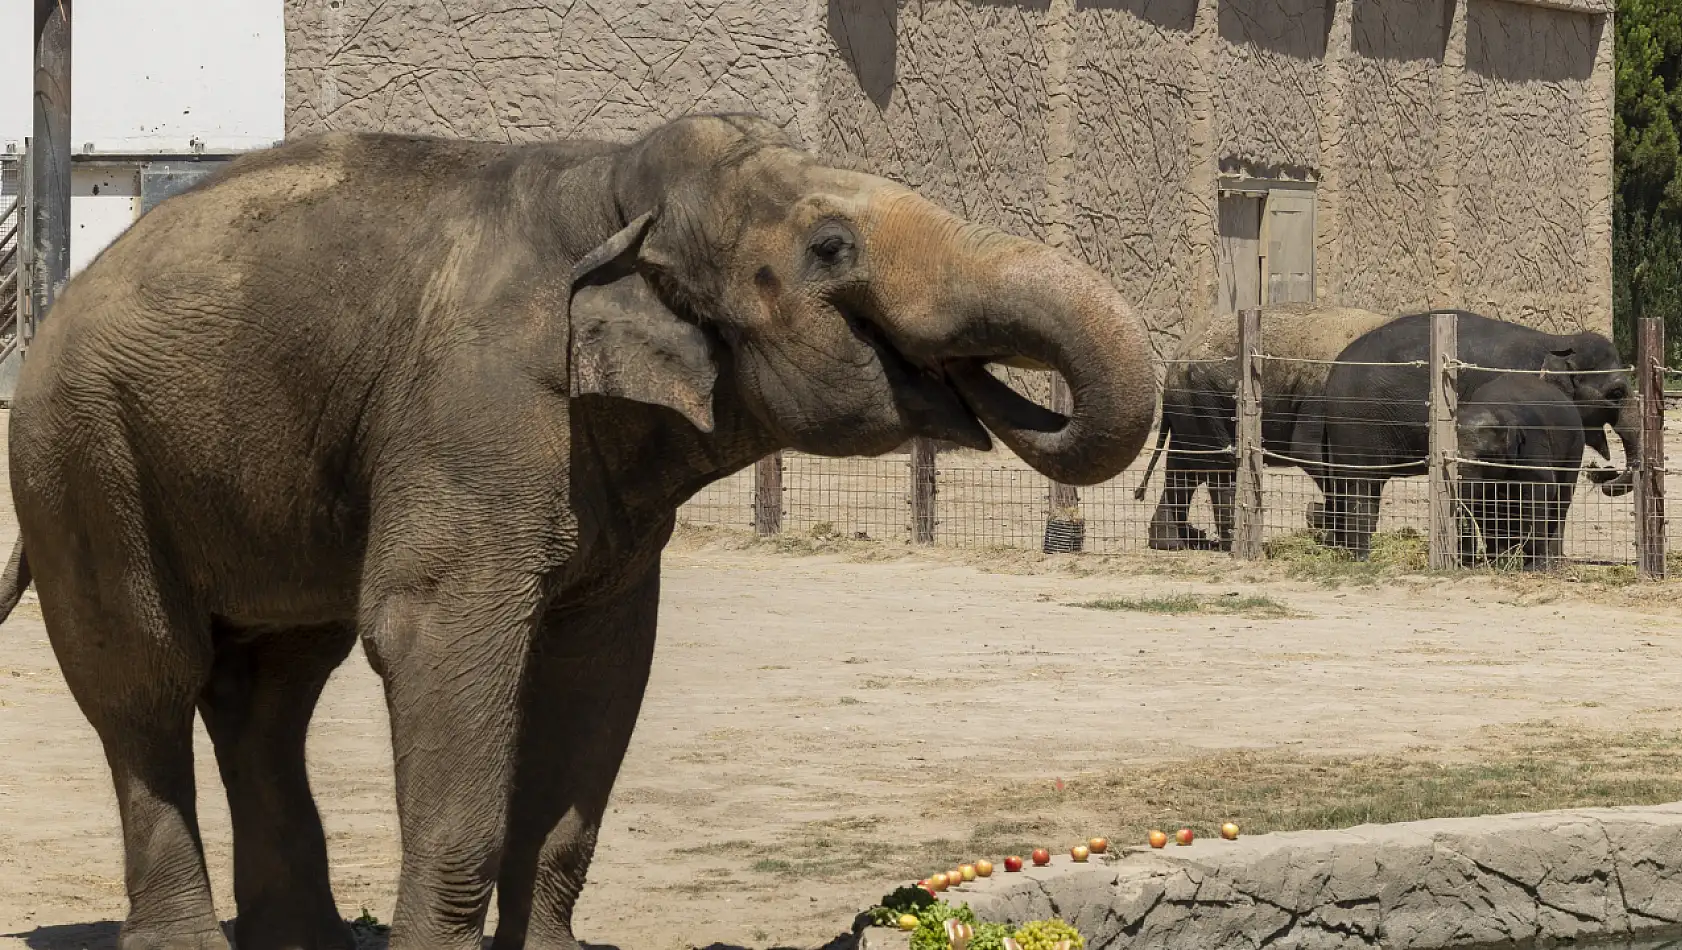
1560, 368
626, 343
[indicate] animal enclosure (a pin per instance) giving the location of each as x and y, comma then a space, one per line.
992, 499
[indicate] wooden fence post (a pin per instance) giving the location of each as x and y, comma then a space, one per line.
922, 491
1247, 497
1649, 485
768, 494
1065, 529
1444, 529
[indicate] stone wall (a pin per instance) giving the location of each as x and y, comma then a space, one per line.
1462, 148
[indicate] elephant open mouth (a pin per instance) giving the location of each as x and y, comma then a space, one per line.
958, 400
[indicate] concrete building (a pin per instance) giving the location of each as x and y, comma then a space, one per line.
1207, 154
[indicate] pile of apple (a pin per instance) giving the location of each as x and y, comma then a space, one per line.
965, 873
1184, 836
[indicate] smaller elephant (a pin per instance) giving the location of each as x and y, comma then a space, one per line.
1521, 449
1199, 429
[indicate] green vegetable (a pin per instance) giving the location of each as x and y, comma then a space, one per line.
931, 925
1044, 935
990, 937
903, 900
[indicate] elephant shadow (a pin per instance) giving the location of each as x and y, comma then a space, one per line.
102, 935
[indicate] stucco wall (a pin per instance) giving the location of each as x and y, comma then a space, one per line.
1462, 149
522, 71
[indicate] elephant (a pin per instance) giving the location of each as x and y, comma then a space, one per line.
444, 398
1521, 443
1200, 411
1376, 416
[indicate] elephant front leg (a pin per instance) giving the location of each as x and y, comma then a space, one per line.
452, 651
584, 689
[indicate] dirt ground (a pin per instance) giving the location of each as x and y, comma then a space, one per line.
802, 700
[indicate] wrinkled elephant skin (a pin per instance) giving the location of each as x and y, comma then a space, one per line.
444, 398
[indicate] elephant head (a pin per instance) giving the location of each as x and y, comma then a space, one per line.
1485, 436
845, 313
1586, 366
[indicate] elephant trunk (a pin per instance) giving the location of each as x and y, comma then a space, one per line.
1628, 428
991, 297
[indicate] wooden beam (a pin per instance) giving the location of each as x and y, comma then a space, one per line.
923, 475
768, 495
1444, 528
1247, 497
1649, 485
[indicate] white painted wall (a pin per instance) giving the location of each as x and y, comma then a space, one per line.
148, 77
157, 75
103, 203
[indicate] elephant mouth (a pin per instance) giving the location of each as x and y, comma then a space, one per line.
927, 398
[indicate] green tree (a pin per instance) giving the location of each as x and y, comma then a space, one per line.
1647, 159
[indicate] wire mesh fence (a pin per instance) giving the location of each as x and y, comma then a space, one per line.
1516, 488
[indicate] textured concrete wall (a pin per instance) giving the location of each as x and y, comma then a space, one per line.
1554, 876
519, 71
1462, 149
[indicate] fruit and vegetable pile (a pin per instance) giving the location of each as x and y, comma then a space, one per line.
937, 925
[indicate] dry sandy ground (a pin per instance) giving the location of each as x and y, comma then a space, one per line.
796, 694
793, 696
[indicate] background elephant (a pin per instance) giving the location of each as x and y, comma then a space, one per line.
445, 397
1521, 448
1199, 409
1376, 416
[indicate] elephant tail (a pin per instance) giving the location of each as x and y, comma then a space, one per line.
14, 581
1161, 440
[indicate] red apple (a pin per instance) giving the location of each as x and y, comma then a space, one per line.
938, 882
1183, 836
1158, 839
1229, 831
1013, 863
1042, 857
1079, 852
1099, 845
983, 868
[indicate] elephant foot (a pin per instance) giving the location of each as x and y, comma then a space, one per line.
1183, 538
154, 940
280, 930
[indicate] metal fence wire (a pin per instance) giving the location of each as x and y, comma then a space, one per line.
1493, 484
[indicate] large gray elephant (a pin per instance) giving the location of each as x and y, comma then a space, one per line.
1199, 409
445, 398
1521, 448
1376, 407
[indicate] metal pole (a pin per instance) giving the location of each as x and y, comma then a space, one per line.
1649, 485
49, 158
1444, 536
1247, 500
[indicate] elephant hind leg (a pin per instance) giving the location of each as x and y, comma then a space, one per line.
135, 663
1170, 529
257, 710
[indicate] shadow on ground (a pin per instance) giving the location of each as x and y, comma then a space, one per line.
102, 935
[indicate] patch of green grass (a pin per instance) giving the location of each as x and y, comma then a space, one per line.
1250, 606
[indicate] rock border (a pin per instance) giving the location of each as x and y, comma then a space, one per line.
1504, 880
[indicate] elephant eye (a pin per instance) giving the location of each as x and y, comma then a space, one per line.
831, 247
